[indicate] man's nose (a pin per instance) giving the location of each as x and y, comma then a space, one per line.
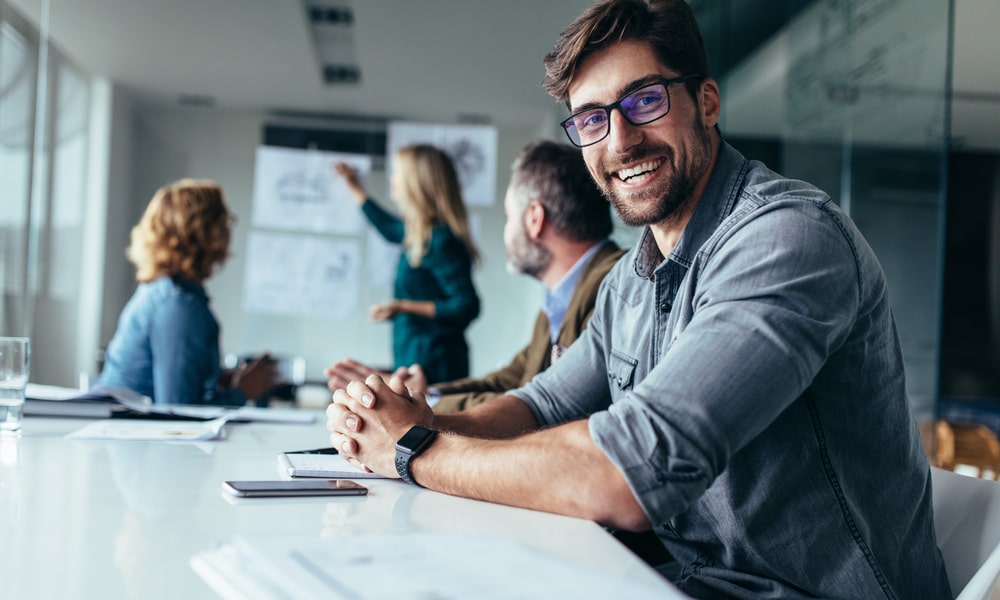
623, 135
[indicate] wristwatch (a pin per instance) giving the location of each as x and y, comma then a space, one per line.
410, 445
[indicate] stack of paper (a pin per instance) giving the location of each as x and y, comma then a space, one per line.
406, 566
113, 402
171, 431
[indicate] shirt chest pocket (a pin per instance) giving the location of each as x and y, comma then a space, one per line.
621, 372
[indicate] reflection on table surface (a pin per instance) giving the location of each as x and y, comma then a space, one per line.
122, 519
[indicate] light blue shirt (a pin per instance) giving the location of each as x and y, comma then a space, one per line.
558, 298
750, 389
166, 346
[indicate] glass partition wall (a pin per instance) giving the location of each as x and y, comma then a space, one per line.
852, 96
43, 164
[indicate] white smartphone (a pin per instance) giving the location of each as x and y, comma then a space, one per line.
312, 487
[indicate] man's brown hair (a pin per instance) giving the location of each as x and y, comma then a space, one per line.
668, 26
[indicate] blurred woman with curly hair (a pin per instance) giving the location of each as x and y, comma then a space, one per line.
166, 345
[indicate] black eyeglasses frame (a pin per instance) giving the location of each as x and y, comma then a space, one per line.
666, 83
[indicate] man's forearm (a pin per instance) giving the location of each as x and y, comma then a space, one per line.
501, 417
558, 470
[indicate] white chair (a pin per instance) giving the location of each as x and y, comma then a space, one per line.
967, 524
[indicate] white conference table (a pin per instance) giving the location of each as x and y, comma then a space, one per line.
122, 519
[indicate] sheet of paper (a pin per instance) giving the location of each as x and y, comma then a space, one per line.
294, 274
472, 148
410, 566
296, 190
137, 430
50, 392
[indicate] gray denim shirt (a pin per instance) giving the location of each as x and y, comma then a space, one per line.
750, 388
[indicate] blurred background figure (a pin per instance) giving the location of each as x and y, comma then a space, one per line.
434, 298
557, 231
166, 345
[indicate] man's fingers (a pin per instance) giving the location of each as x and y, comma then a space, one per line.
362, 392
340, 396
397, 385
346, 446
358, 464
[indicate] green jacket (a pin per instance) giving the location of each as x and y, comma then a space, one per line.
444, 277
534, 358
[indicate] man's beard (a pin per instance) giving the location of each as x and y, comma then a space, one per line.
657, 203
527, 256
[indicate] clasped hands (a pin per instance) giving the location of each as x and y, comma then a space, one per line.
367, 417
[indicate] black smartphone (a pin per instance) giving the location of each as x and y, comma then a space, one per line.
314, 487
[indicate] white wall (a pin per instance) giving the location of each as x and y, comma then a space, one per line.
170, 143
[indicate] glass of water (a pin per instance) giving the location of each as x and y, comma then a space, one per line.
15, 365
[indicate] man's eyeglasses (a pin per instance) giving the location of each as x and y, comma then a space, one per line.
638, 107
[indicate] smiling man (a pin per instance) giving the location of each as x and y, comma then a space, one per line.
740, 388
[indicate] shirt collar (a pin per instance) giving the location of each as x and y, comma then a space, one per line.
557, 299
716, 203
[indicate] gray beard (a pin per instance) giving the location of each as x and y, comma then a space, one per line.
530, 258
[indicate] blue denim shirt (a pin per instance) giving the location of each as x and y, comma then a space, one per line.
167, 346
750, 388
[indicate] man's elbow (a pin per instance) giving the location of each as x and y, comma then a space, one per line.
613, 505
626, 515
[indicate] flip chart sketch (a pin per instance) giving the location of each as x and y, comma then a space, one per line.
297, 275
473, 149
296, 190
383, 258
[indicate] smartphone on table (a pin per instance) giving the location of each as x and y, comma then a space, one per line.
280, 488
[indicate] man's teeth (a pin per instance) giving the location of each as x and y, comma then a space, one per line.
640, 169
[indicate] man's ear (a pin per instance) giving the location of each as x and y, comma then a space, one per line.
710, 104
534, 219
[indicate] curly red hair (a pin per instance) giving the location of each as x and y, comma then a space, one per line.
185, 230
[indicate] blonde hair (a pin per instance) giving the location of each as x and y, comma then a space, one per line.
185, 230
431, 196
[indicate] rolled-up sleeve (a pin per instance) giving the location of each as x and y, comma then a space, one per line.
761, 311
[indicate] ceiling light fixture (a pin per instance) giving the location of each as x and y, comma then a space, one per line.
331, 23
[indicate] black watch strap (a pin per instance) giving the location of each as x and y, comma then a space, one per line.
403, 467
409, 446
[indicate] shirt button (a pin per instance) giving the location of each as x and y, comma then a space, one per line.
665, 307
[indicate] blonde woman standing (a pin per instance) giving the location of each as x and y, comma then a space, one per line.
166, 345
434, 298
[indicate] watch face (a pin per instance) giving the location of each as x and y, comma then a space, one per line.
415, 439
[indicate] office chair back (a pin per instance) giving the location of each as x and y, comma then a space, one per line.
967, 525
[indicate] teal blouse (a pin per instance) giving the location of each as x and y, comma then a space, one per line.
444, 277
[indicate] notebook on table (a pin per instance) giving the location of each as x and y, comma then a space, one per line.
326, 466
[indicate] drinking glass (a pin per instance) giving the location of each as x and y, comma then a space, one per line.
15, 364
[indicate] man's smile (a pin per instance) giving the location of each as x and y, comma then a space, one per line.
639, 172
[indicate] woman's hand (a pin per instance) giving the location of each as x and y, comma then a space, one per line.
352, 179
388, 310
384, 311
257, 378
